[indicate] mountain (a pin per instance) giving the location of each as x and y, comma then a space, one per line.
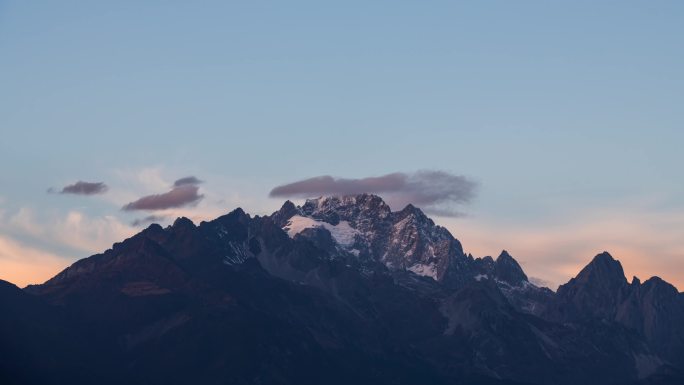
407, 240
39, 345
596, 291
338, 290
364, 226
655, 309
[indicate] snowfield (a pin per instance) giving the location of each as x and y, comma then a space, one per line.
343, 233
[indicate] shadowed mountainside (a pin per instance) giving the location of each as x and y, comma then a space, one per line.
340, 290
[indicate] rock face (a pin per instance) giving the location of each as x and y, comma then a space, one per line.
365, 226
596, 291
339, 290
654, 309
406, 240
508, 270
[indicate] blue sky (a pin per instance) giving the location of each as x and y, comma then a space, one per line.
567, 114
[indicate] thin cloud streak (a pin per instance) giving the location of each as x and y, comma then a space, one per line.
436, 192
84, 188
148, 220
188, 180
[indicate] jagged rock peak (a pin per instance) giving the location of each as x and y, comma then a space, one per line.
504, 256
604, 267
659, 285
604, 257
237, 215
288, 206
508, 270
414, 212
154, 228
286, 211
595, 291
365, 226
239, 212
182, 222
343, 200
332, 209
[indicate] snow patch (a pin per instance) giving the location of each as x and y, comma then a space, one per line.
480, 277
343, 233
240, 255
425, 270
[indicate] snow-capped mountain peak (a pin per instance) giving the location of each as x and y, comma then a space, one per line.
365, 226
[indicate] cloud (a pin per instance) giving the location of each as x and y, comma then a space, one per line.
90, 234
542, 282
84, 188
436, 192
148, 220
219, 197
188, 180
178, 197
36, 244
74, 230
24, 220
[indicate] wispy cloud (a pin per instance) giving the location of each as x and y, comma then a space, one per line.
188, 180
184, 193
436, 192
148, 220
542, 282
83, 188
36, 244
74, 230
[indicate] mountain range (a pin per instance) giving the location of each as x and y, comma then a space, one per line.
339, 290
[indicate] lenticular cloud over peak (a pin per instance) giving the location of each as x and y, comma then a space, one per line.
436, 192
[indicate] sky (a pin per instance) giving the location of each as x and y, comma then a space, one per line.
564, 117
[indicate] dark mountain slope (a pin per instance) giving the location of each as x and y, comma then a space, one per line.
654, 309
40, 345
337, 291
